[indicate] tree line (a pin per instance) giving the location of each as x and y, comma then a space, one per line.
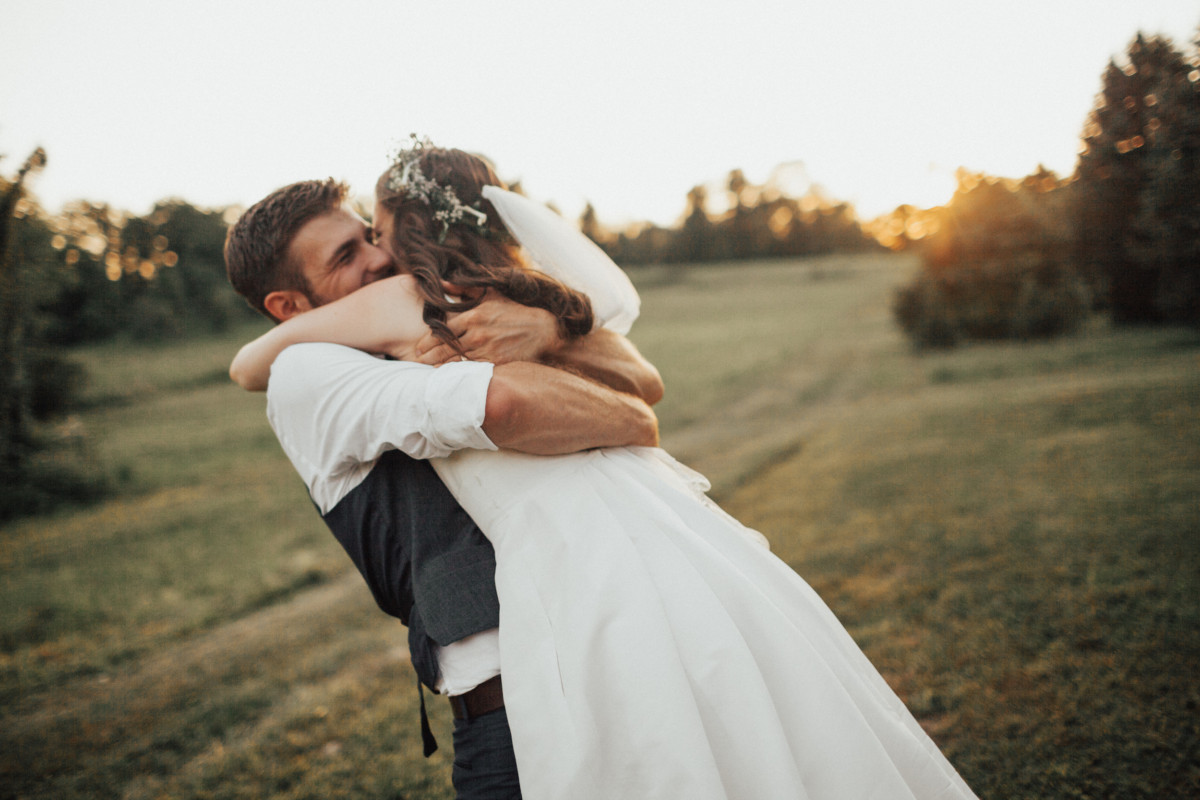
1037, 256
761, 221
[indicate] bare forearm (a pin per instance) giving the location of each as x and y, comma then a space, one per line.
546, 411
384, 317
251, 367
612, 360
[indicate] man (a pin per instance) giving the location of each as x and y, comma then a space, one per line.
351, 424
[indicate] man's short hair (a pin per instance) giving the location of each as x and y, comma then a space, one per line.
256, 247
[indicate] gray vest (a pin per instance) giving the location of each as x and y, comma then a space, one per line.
423, 558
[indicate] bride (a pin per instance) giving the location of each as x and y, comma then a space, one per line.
651, 645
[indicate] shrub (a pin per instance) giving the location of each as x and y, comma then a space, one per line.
57, 469
55, 384
1028, 296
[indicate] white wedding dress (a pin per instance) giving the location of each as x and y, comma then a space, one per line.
652, 647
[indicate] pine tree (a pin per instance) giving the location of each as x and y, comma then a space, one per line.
695, 239
1167, 227
1136, 177
16, 437
39, 468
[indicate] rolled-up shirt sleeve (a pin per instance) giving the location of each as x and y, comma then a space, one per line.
336, 410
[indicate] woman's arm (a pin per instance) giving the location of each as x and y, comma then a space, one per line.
382, 317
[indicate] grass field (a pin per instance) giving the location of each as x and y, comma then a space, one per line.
1009, 531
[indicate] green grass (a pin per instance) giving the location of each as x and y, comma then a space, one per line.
1016, 549
1009, 531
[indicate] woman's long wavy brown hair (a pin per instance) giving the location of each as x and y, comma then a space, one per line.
477, 259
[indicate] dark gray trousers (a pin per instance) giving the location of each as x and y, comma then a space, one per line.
485, 767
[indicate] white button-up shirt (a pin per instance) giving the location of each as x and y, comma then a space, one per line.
336, 410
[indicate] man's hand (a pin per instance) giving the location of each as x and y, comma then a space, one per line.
502, 331
498, 330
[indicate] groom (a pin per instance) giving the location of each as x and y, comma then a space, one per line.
355, 427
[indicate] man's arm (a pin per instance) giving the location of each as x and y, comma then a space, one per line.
611, 359
538, 409
334, 407
502, 331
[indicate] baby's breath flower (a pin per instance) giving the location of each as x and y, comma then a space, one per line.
406, 176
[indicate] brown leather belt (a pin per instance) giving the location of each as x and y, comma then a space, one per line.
484, 698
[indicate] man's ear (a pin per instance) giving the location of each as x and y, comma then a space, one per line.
286, 303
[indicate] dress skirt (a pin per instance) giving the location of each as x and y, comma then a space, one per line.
653, 647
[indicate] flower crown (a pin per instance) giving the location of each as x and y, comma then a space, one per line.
406, 176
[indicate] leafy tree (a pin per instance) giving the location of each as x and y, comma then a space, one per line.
761, 222
696, 238
1138, 210
998, 265
151, 277
16, 437
738, 229
1167, 227
589, 224
39, 467
181, 267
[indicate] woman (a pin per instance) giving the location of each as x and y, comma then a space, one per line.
651, 646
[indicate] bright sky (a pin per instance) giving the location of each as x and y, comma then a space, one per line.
628, 103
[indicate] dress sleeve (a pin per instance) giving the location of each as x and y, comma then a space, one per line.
336, 409
561, 251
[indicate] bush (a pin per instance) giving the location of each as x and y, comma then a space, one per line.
1029, 296
924, 313
1054, 308
998, 265
57, 471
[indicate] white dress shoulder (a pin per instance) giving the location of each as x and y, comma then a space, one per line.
653, 647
